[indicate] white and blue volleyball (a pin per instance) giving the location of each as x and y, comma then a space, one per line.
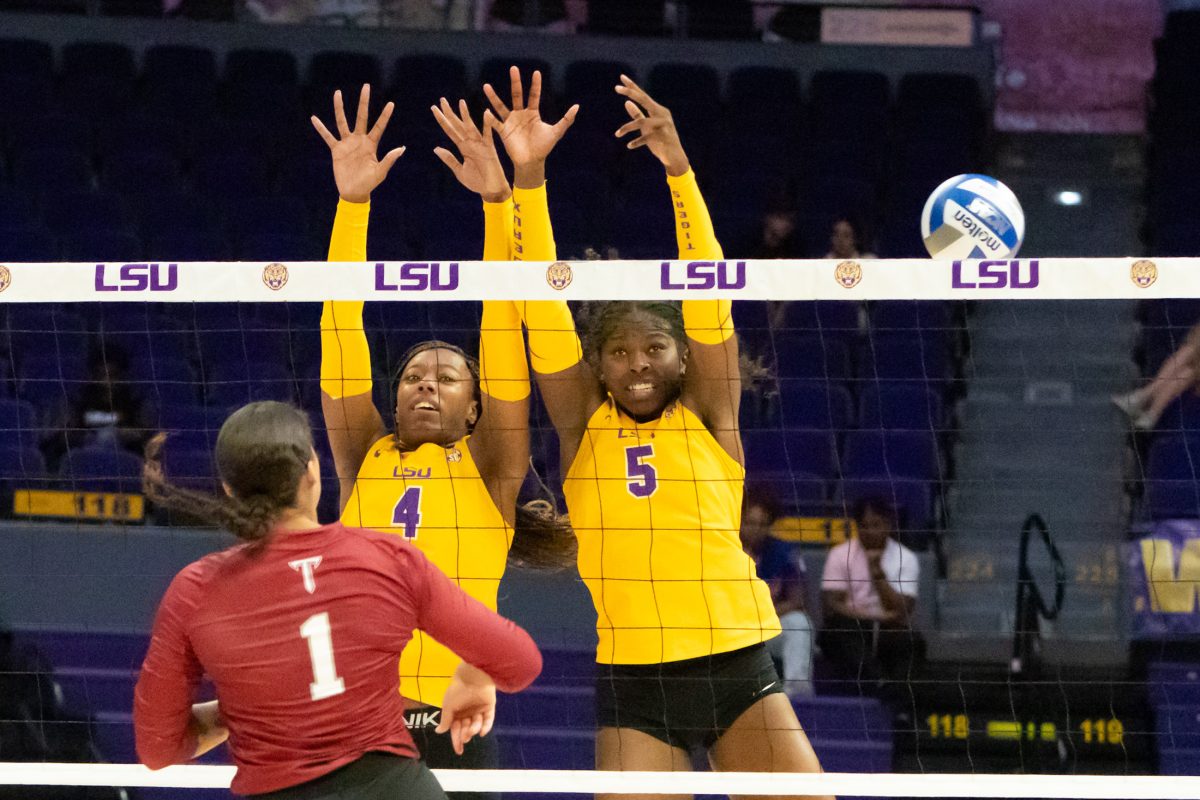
972, 216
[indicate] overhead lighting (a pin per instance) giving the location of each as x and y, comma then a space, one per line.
1068, 197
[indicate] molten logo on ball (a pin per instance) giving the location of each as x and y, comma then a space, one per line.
972, 216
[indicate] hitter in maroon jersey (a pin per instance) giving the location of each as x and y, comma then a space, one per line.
300, 628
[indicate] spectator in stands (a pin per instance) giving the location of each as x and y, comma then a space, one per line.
869, 597
783, 570
105, 409
1176, 375
779, 237
845, 240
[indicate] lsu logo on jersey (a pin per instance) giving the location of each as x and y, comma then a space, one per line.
410, 472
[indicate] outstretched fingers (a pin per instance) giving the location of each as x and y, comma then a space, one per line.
517, 91
502, 110
567, 121
448, 158
381, 124
628, 88
339, 115
329, 138
364, 108
446, 120
391, 158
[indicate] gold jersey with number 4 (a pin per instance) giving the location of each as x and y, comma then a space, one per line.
657, 507
434, 497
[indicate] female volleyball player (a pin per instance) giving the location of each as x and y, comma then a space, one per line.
648, 426
446, 476
300, 627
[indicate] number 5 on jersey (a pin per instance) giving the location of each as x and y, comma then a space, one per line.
644, 480
408, 512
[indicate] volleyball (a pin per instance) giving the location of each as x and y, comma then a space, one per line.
972, 216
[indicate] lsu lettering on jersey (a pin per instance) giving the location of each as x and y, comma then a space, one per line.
433, 497
657, 509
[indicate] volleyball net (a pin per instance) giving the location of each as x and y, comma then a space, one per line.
1057, 532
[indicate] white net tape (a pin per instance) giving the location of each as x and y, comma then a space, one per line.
1042, 279
1100, 787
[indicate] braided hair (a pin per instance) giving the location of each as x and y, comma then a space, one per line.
262, 452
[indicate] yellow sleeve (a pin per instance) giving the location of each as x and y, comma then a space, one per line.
553, 343
706, 321
345, 357
503, 370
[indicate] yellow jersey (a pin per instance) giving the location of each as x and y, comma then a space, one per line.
434, 497
657, 508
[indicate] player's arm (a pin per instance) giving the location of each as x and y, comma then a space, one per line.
352, 421
487, 641
500, 442
713, 386
165, 730
568, 386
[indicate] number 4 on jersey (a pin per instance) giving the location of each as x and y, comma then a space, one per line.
408, 512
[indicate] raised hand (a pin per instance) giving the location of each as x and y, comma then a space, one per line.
654, 125
356, 168
527, 138
480, 169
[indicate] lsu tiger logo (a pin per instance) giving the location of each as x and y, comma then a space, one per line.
559, 275
1143, 273
275, 276
5, 278
848, 274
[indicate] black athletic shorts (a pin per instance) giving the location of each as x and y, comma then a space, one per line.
687, 704
437, 749
375, 776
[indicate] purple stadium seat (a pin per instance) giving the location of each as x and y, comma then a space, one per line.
813, 356
817, 404
830, 89
598, 77
102, 245
71, 131
929, 90
76, 211
903, 315
921, 358
130, 174
224, 176
52, 170
1172, 488
900, 407
420, 78
26, 57
100, 468
264, 65
900, 454
29, 243
19, 465
829, 318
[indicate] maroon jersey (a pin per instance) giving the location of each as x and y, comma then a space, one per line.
302, 640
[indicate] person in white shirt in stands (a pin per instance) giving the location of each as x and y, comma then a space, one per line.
869, 598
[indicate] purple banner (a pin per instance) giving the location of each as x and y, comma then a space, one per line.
1164, 576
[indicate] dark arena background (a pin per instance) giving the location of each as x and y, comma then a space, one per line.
1036, 459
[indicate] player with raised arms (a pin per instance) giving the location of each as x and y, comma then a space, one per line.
647, 416
446, 477
300, 626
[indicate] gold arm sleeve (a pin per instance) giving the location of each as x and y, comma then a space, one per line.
503, 370
345, 357
553, 343
706, 321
